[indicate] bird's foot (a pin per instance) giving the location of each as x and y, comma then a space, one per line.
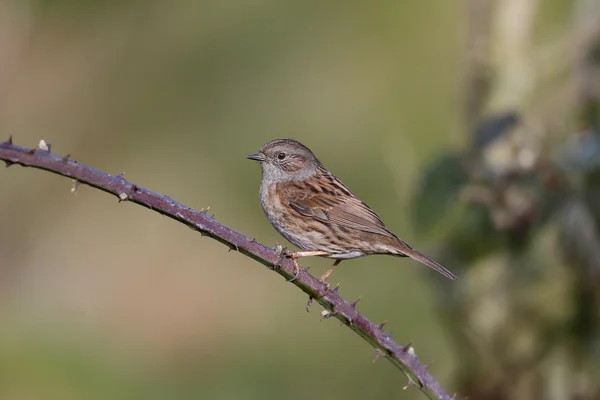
296, 270
295, 255
292, 255
323, 280
281, 253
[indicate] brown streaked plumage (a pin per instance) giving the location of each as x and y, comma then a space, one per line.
315, 211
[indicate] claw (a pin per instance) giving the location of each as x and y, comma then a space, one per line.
296, 271
294, 277
336, 289
378, 355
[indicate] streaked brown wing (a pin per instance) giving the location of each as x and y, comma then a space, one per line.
336, 204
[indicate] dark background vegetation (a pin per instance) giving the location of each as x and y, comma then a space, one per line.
471, 127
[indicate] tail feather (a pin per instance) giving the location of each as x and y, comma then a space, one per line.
423, 259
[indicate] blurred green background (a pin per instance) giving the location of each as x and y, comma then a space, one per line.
406, 102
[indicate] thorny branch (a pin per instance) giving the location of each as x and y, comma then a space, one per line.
403, 357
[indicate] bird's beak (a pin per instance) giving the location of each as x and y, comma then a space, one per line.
256, 157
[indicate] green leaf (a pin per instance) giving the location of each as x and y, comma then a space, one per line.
438, 191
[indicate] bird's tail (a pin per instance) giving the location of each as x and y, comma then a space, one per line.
423, 259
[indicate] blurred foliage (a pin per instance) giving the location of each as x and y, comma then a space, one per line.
438, 191
103, 301
527, 232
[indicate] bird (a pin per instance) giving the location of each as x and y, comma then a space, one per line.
317, 213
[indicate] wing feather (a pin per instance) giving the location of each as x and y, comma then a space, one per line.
336, 204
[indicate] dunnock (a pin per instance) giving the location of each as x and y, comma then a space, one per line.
315, 211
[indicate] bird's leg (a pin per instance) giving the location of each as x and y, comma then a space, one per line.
294, 256
324, 277
297, 254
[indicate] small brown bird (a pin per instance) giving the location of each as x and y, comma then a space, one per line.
315, 211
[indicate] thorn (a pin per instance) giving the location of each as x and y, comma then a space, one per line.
253, 240
205, 210
42, 145
75, 186
381, 325
9, 141
407, 347
233, 246
378, 355
328, 314
428, 365
410, 383
8, 163
308, 303
66, 158
337, 288
353, 304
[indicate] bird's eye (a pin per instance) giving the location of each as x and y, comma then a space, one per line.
281, 156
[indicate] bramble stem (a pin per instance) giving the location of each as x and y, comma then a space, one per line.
403, 357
